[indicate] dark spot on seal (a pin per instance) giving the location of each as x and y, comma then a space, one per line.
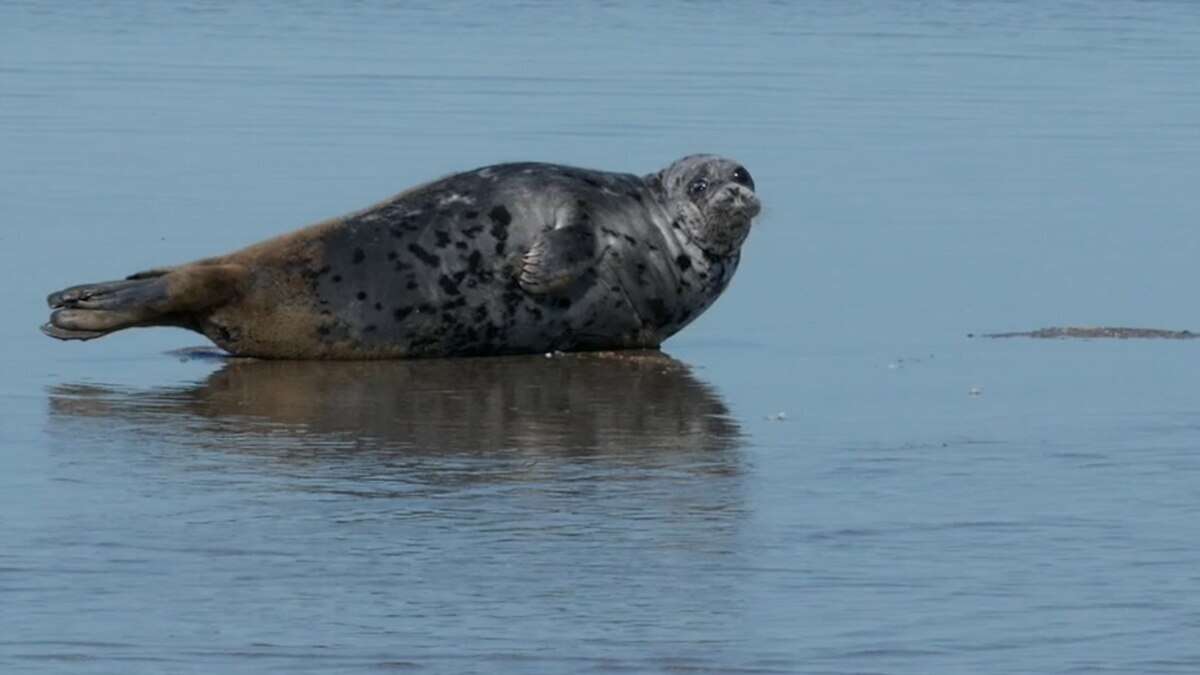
659, 309
562, 303
424, 256
500, 220
324, 330
361, 295
424, 308
223, 333
534, 312
500, 216
455, 304
370, 328
378, 306
400, 312
337, 279
411, 285
592, 182
442, 238
511, 299
359, 256
472, 231
471, 215
631, 240
461, 245
391, 255
683, 262
676, 224
449, 286
635, 196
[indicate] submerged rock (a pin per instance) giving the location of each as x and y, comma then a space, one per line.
1087, 332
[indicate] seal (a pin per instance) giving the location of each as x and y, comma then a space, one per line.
506, 259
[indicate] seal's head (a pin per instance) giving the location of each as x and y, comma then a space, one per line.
711, 199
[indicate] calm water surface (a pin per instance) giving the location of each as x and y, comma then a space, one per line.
824, 476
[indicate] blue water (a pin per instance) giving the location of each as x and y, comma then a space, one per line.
828, 476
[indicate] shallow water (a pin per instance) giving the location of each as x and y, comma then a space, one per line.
825, 475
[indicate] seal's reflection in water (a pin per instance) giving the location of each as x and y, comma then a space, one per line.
635, 410
474, 502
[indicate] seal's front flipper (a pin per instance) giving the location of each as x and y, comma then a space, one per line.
172, 298
557, 258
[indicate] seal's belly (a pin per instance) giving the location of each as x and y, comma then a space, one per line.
495, 317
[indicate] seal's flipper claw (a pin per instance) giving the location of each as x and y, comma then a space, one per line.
66, 334
149, 274
557, 258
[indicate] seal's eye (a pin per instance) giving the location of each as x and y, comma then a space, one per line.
698, 187
742, 176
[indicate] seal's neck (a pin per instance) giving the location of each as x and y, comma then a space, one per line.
654, 183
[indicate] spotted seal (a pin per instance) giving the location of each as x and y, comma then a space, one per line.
506, 259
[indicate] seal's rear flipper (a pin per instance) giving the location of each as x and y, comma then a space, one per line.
67, 334
166, 298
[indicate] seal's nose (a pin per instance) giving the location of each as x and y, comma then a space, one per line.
753, 206
745, 200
